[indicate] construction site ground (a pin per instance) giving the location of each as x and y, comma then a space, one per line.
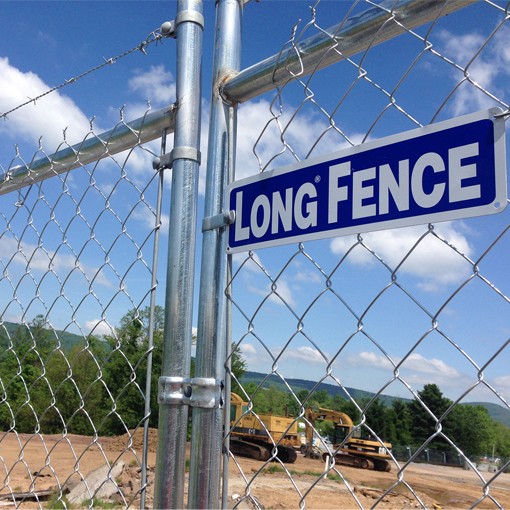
436, 486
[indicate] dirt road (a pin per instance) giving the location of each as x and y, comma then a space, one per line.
31, 464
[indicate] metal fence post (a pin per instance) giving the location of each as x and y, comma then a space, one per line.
173, 414
207, 435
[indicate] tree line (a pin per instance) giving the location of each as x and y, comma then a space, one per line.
98, 387
469, 427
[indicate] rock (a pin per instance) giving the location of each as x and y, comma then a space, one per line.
95, 486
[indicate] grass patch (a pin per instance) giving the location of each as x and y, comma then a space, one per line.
187, 466
307, 472
97, 503
56, 503
133, 463
276, 468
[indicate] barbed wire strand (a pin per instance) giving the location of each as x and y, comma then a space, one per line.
156, 35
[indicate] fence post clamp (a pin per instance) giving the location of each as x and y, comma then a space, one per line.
169, 28
203, 392
167, 160
218, 221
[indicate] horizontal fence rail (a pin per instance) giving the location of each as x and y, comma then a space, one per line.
118, 139
357, 34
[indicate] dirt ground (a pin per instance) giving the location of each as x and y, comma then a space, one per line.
28, 463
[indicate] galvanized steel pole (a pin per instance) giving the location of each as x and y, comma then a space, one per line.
206, 452
173, 416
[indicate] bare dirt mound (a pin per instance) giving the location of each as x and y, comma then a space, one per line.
134, 440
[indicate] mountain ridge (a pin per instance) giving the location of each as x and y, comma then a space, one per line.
496, 412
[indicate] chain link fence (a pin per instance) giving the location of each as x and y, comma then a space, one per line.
402, 313
79, 248
364, 331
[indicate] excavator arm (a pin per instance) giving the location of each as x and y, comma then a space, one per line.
319, 413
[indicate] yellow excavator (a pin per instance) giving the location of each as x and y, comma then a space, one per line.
252, 436
357, 451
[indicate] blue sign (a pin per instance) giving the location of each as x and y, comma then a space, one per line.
450, 170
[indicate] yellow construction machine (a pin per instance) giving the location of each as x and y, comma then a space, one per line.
252, 436
357, 451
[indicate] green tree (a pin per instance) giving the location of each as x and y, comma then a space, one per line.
375, 415
125, 372
402, 422
27, 393
473, 429
238, 368
501, 435
423, 425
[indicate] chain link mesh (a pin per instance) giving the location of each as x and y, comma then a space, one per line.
392, 310
77, 277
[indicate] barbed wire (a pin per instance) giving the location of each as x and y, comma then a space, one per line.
156, 37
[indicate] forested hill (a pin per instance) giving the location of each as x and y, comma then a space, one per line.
302, 384
67, 340
496, 412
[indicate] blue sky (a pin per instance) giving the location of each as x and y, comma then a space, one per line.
45, 43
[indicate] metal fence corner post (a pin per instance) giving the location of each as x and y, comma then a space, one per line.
173, 414
207, 428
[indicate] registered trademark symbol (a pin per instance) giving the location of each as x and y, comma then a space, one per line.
317, 178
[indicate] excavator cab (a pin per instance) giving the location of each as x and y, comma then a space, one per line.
339, 434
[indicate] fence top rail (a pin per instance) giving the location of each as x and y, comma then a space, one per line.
350, 37
92, 148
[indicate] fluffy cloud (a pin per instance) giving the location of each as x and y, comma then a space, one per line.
309, 355
260, 138
254, 355
49, 117
368, 359
434, 262
41, 260
502, 383
156, 85
98, 327
282, 293
416, 370
489, 70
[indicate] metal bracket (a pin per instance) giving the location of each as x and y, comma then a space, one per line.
167, 160
218, 221
169, 28
203, 392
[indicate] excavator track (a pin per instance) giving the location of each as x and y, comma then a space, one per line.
261, 450
359, 462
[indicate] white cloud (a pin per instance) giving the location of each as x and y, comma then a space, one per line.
12, 317
309, 276
418, 363
258, 131
40, 260
308, 354
250, 265
48, 117
491, 65
98, 327
254, 355
416, 370
432, 261
368, 359
502, 383
148, 218
155, 85
282, 291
